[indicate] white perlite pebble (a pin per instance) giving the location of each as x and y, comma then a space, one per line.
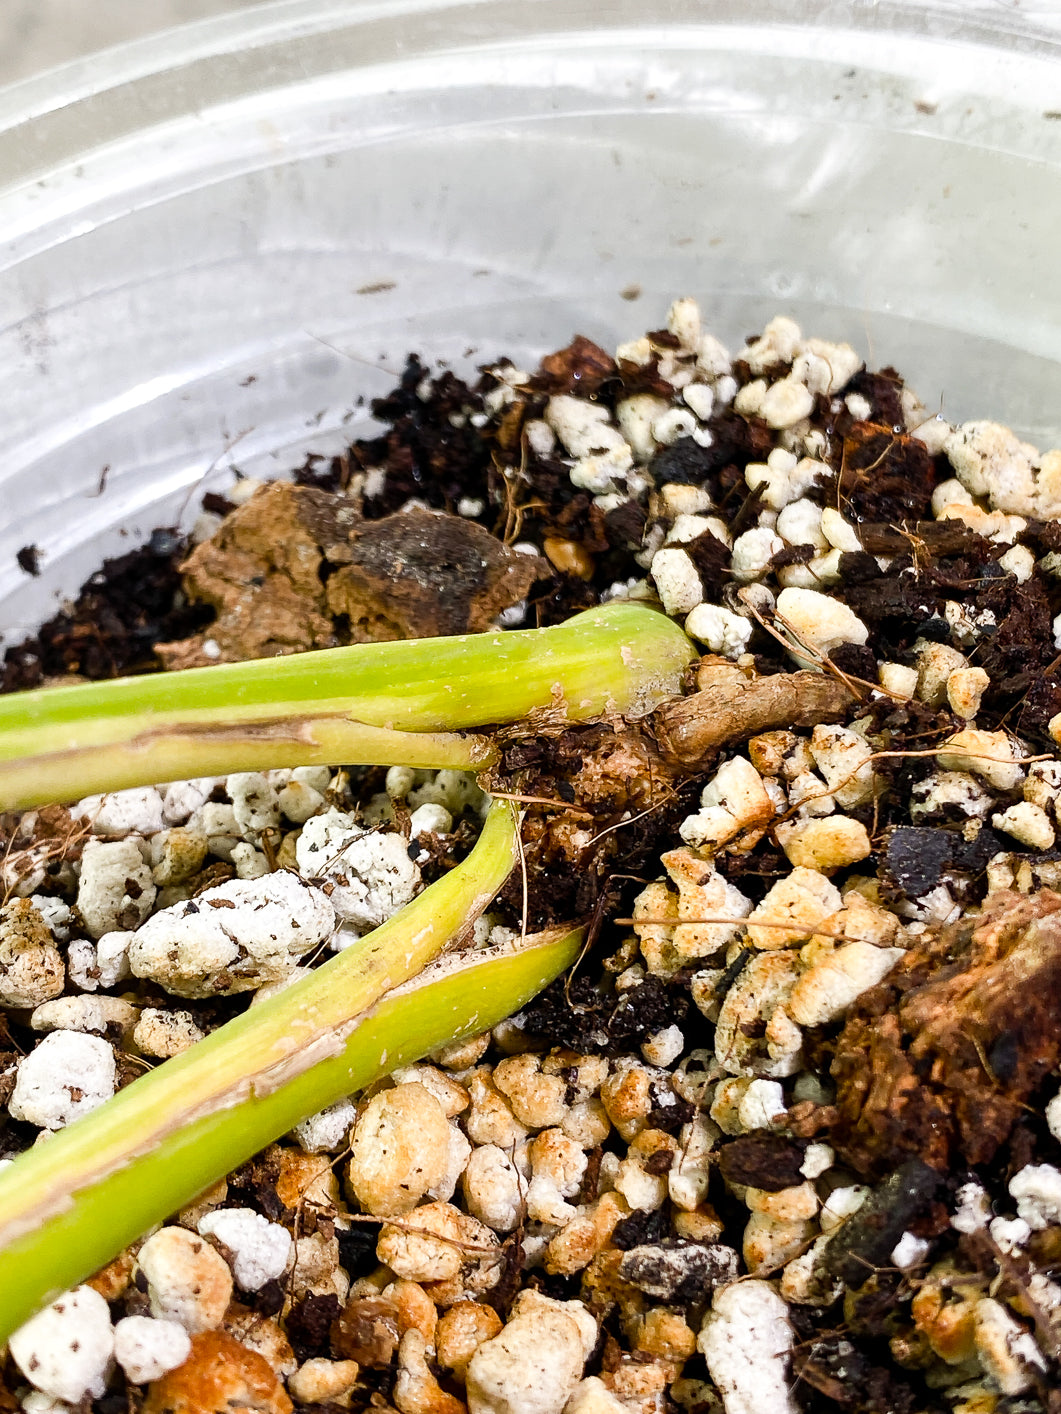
326, 1132
972, 1208
734, 800
1053, 1116
147, 1348
65, 1350
990, 460
687, 528
254, 803
827, 989
234, 937
841, 1204
260, 1250
753, 551
800, 523
455, 791
164, 1034
592, 1396
1009, 1233
676, 580
965, 688
840, 533
719, 630
674, 423
116, 889
909, 1251
827, 844
187, 1281
817, 1159
777, 344
898, 679
250, 863
494, 1189
783, 477
112, 957
700, 398
825, 367
1019, 562
1028, 824
746, 1340
399, 781
990, 755
786, 402
37, 1402
602, 473
635, 417
818, 621
89, 1013
663, 1047
371, 873
66, 1076
430, 819
583, 427
181, 799
31, 966
1037, 1189
762, 1102
56, 914
531, 1367
1006, 1351
122, 812
299, 801
683, 321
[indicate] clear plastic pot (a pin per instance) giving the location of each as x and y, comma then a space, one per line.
215, 241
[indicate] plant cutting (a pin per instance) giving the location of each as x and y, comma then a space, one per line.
770, 831
67, 1207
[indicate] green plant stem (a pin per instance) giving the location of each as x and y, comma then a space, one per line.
68, 1206
404, 703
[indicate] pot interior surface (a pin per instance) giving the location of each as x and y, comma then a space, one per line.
218, 245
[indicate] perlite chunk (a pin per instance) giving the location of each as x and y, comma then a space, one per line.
63, 1078
818, 622
116, 889
990, 460
65, 1351
531, 1367
258, 1250
147, 1348
369, 873
31, 967
232, 938
745, 1341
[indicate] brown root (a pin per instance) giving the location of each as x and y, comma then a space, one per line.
731, 707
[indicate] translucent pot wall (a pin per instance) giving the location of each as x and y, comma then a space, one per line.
214, 241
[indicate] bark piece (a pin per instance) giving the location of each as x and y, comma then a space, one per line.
260, 573
866, 1240
296, 568
420, 574
582, 368
940, 1060
762, 1160
886, 475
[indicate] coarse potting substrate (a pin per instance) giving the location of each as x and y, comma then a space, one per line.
787, 1138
